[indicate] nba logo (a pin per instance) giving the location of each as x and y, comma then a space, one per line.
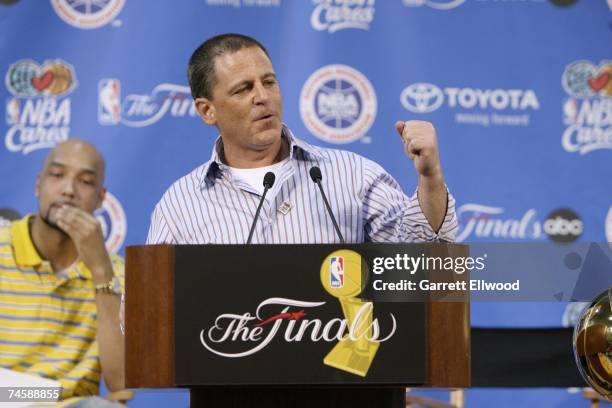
336, 268
13, 111
109, 101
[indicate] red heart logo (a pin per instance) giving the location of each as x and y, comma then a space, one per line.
42, 82
598, 83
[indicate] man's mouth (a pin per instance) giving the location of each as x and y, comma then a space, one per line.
59, 204
264, 117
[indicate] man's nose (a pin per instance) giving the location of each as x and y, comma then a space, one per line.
68, 188
260, 93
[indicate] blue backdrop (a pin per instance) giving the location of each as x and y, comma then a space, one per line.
520, 92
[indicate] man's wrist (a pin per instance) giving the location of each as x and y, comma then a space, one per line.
102, 273
111, 287
431, 182
104, 280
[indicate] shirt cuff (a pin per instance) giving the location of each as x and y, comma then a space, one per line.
449, 226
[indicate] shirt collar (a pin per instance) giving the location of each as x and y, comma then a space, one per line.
25, 252
208, 170
27, 256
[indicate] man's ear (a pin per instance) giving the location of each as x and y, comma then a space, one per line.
37, 186
206, 109
101, 195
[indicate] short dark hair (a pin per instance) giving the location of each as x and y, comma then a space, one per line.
201, 68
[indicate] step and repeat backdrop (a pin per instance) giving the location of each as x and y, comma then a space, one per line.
520, 92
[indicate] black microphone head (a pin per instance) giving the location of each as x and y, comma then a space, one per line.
315, 174
269, 179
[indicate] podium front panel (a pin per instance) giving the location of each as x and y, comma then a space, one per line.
291, 315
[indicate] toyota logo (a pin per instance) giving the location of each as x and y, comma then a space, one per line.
422, 98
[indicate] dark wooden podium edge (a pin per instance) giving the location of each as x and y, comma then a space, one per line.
448, 326
449, 351
149, 342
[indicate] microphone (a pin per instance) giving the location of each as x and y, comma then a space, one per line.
268, 182
316, 176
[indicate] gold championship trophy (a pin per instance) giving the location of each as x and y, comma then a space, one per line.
342, 274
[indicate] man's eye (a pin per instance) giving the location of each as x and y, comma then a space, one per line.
55, 174
269, 82
88, 182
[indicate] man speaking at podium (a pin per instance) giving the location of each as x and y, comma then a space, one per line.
235, 89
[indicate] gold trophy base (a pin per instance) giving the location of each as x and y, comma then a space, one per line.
345, 357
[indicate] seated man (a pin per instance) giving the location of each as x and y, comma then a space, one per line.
59, 287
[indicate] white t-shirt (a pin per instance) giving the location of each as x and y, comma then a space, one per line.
254, 177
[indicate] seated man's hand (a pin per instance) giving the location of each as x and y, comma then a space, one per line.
86, 233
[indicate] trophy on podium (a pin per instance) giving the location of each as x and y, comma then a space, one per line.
343, 275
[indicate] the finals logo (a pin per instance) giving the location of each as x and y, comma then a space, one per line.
357, 334
140, 110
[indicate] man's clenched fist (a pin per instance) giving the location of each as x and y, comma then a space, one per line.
421, 146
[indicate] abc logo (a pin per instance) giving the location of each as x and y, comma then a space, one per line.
563, 225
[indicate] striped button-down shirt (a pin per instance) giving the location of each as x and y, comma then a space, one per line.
208, 207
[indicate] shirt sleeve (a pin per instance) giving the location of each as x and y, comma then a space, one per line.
159, 231
118, 265
391, 216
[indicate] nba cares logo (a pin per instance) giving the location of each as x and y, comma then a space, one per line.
87, 14
338, 104
336, 268
113, 222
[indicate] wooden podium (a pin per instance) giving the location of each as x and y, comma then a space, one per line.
151, 336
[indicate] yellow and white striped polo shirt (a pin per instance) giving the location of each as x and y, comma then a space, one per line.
48, 319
